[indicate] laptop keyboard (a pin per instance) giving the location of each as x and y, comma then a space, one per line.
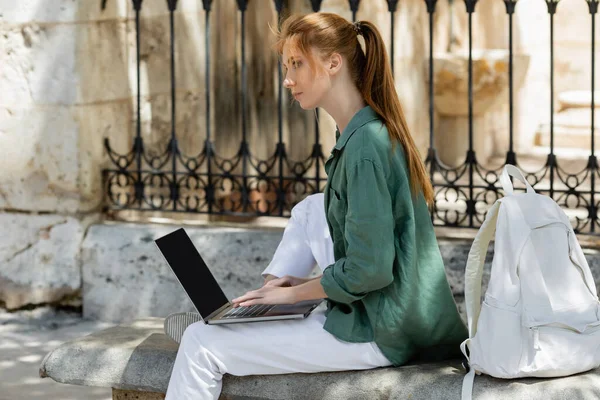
248, 312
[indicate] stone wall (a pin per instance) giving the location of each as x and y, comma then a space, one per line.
125, 276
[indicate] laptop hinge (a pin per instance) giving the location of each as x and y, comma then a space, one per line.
218, 311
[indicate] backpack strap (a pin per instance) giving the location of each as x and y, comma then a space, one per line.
474, 269
507, 172
473, 275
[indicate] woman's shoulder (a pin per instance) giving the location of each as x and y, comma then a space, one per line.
371, 141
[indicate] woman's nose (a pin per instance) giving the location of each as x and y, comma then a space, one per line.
288, 83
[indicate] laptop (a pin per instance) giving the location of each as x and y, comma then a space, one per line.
207, 296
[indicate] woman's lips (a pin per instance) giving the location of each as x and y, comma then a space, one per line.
296, 95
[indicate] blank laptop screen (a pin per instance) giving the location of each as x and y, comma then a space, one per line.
192, 272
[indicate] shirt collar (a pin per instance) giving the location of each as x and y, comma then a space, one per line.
363, 116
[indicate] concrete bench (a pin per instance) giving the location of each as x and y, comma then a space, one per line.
136, 361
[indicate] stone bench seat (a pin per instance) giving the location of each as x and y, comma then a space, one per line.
136, 361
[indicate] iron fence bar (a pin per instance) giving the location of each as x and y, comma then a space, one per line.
431, 9
174, 188
244, 150
316, 151
552, 4
450, 25
392, 6
208, 147
138, 146
354, 8
280, 151
431, 153
511, 157
593, 162
593, 10
316, 5
470, 5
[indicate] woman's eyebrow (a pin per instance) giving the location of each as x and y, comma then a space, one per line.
290, 59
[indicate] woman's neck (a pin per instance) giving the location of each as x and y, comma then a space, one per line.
342, 104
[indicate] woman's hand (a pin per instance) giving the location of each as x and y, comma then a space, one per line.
267, 295
286, 281
268, 278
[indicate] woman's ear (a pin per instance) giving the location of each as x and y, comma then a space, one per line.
335, 63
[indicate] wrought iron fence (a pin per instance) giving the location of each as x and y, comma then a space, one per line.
174, 181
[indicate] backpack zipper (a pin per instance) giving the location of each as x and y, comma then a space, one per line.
591, 328
577, 265
535, 332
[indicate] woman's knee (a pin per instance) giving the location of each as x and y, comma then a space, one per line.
195, 333
200, 335
208, 342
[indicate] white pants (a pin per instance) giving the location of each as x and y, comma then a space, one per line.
207, 352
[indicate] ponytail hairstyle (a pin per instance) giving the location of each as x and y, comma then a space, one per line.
371, 72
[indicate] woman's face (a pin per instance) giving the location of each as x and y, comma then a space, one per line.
307, 86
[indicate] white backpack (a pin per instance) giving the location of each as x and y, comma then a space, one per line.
540, 315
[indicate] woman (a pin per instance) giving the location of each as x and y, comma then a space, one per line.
388, 300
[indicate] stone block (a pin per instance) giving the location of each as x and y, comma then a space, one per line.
40, 66
54, 156
59, 11
39, 259
125, 276
66, 64
105, 58
39, 168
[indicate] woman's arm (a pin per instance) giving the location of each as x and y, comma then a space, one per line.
311, 290
369, 233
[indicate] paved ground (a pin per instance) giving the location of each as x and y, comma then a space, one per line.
25, 338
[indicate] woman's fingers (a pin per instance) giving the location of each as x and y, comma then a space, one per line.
249, 303
253, 294
266, 295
